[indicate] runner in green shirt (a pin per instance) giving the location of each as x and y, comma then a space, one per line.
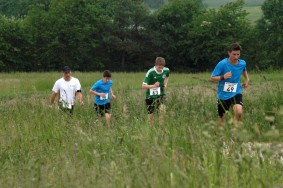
155, 83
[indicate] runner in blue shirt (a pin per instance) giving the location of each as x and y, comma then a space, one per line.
102, 90
229, 90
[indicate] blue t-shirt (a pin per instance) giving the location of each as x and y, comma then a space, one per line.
226, 88
101, 87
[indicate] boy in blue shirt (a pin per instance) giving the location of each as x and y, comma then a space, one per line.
229, 90
102, 90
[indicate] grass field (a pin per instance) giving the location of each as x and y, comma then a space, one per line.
43, 147
218, 3
253, 7
255, 13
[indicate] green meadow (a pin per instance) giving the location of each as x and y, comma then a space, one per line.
255, 13
253, 7
44, 147
218, 3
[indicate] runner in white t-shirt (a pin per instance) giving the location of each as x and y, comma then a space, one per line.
68, 88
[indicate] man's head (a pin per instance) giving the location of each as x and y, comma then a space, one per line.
234, 52
159, 64
67, 73
235, 47
106, 76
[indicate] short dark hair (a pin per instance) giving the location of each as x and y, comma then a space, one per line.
66, 69
107, 73
235, 47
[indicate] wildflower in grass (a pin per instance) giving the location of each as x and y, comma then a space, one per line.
270, 119
125, 111
281, 110
227, 73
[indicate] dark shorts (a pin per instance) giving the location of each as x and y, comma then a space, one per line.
102, 109
224, 105
154, 103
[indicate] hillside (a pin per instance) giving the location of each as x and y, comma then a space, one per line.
253, 7
218, 3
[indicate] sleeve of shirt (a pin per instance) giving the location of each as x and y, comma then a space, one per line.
56, 87
94, 86
146, 78
168, 73
217, 70
245, 65
78, 86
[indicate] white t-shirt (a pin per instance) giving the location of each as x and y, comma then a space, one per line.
67, 89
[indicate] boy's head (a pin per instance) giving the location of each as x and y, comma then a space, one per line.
235, 47
107, 73
106, 76
234, 52
160, 61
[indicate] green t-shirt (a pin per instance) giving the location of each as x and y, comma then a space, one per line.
153, 76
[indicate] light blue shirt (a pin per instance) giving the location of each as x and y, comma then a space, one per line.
102, 87
222, 68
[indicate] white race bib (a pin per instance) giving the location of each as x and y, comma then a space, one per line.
154, 91
230, 87
65, 104
104, 98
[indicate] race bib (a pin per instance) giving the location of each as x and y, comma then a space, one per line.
65, 104
104, 98
230, 87
154, 91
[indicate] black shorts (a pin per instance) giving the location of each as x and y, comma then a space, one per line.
154, 103
102, 109
224, 105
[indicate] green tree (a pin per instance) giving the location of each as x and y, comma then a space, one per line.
128, 38
173, 22
69, 33
213, 31
19, 9
269, 35
13, 45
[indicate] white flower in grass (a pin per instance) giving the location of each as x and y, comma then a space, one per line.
270, 119
162, 108
280, 110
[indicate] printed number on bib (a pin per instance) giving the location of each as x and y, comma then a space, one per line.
65, 104
230, 87
104, 98
155, 91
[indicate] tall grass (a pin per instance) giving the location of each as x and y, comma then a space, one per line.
44, 147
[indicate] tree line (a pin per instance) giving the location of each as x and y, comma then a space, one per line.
127, 35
